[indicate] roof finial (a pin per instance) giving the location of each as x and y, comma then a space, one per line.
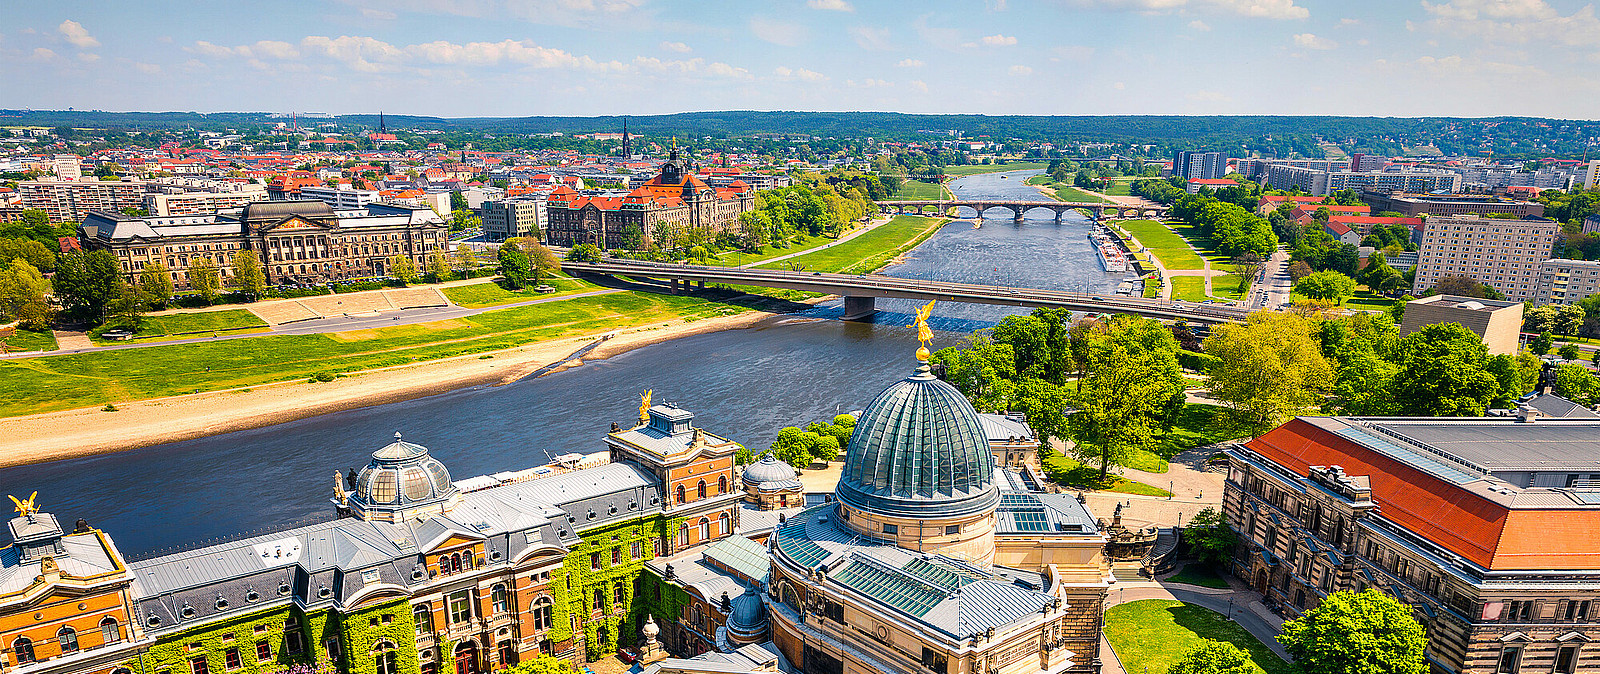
26, 508
644, 407
924, 334
397, 436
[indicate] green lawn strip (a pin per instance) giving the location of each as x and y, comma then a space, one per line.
777, 293
1198, 425
1072, 473
1065, 192
1366, 300
1198, 574
1173, 251
804, 243
1155, 633
189, 323
1200, 242
915, 190
49, 383
31, 340
869, 251
491, 294
1227, 285
1190, 288
975, 169
1146, 461
1118, 188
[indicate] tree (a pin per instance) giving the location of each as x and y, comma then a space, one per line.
1131, 374
542, 261
1442, 373
1576, 383
464, 258
515, 267
1299, 270
402, 267
438, 268
1463, 286
1268, 369
1366, 632
1541, 345
1330, 285
1214, 657
126, 310
584, 252
544, 664
248, 276
36, 253
1246, 266
86, 282
1568, 352
826, 448
632, 238
984, 372
792, 447
204, 278
156, 283
24, 296
1210, 537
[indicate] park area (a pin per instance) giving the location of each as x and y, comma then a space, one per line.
1152, 634
190, 324
1065, 191
974, 169
489, 294
914, 189
867, 252
1173, 251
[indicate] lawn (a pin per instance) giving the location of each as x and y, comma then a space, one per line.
1199, 574
1227, 285
1151, 635
870, 251
1065, 192
491, 294
804, 243
1117, 187
1200, 242
226, 320
918, 189
1073, 473
1198, 425
31, 340
975, 169
1366, 300
49, 383
1191, 288
1170, 248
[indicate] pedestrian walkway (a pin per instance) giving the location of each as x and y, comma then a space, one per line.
848, 236
72, 339
1238, 603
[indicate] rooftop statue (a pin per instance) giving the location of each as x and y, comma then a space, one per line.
924, 334
644, 407
26, 507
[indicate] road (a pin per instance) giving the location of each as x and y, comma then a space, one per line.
1273, 284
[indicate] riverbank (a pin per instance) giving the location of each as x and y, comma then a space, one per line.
85, 431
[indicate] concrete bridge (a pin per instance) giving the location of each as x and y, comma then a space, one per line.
861, 291
1018, 208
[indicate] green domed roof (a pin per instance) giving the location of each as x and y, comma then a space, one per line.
919, 450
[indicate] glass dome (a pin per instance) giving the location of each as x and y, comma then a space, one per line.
402, 475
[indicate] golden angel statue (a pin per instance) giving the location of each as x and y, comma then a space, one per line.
924, 334
644, 407
25, 507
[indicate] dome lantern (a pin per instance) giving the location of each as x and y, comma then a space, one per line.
401, 480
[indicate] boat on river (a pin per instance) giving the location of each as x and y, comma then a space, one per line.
1111, 255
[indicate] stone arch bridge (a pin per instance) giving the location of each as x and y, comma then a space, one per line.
1018, 208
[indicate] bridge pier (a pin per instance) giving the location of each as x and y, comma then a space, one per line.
1016, 216
1059, 212
702, 285
857, 308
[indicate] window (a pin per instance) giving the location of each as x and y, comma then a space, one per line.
68, 639
422, 615
263, 651
23, 647
498, 600
891, 529
616, 556
383, 658
1577, 610
722, 484
230, 658
952, 529
1510, 658
700, 490
618, 595
1519, 611
934, 660
331, 646
634, 549
110, 631
541, 613
294, 639
461, 607
594, 561
1567, 659
705, 529
197, 665
599, 600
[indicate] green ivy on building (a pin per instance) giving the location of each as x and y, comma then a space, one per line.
575, 583
357, 634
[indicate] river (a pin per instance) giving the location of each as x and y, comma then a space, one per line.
743, 384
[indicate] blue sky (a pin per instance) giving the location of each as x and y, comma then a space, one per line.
591, 57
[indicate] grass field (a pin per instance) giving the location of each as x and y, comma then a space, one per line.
491, 294
994, 168
1151, 635
1366, 300
1073, 473
917, 189
1199, 574
1189, 288
1119, 187
1227, 285
870, 251
225, 320
31, 340
1065, 192
50, 383
1200, 242
1170, 248
1199, 425
739, 257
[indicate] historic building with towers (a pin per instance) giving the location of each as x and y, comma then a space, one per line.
674, 200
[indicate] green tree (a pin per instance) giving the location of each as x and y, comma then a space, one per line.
438, 267
632, 238
1443, 373
542, 261
515, 267
85, 282
248, 276
156, 283
464, 259
584, 252
404, 268
204, 278
544, 664
792, 447
1131, 374
1576, 383
1326, 285
1367, 632
1214, 657
826, 448
126, 310
36, 253
985, 372
1268, 369
1541, 344
1568, 352
1210, 537
24, 296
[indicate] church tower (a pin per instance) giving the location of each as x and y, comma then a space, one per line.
627, 145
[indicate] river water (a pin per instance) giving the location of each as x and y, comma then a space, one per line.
743, 384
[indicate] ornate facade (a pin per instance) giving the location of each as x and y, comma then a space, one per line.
674, 200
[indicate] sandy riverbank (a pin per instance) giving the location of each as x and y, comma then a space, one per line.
82, 432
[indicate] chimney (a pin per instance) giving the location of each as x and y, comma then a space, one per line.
1527, 414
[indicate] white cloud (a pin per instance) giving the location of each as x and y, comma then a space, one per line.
1071, 53
919, 85
1309, 41
371, 14
147, 68
1021, 71
42, 54
75, 34
87, 57
367, 54
275, 49
1265, 9
799, 74
868, 83
831, 5
1199, 25
1349, 22
1514, 21
778, 32
679, 47
1000, 40
910, 63
872, 39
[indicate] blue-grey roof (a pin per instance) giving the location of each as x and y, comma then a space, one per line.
919, 450
1028, 513
768, 469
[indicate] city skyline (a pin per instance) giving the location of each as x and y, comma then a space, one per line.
581, 57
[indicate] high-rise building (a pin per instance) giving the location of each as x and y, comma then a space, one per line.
1502, 253
1566, 281
508, 218
72, 201
1199, 165
68, 167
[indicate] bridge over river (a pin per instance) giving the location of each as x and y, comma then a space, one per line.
860, 291
1018, 208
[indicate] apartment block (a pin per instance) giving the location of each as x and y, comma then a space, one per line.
1566, 281
1199, 165
198, 203
72, 201
512, 218
1505, 254
1412, 203
341, 197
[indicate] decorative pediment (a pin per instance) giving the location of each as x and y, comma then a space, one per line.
1516, 637
1573, 636
453, 540
294, 222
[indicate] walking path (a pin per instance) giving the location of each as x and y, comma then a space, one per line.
1193, 487
848, 236
1239, 603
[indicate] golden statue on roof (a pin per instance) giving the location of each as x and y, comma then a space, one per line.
644, 407
27, 507
924, 334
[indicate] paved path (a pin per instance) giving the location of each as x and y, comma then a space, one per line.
1273, 284
848, 236
1193, 488
1238, 603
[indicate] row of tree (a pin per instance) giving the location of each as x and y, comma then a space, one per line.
1233, 229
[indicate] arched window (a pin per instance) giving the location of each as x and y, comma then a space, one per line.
497, 599
722, 484
618, 594
444, 566
110, 631
541, 613
455, 563
383, 658
682, 498
722, 525
599, 599
68, 638
23, 647
700, 491
789, 598
683, 534
705, 530
422, 615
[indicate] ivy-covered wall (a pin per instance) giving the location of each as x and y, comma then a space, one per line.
574, 584
212, 641
666, 610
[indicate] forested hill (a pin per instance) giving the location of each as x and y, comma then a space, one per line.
1386, 135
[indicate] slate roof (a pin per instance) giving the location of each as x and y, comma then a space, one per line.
999, 427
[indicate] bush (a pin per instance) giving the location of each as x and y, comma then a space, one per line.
1197, 362
323, 376
1568, 352
585, 252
